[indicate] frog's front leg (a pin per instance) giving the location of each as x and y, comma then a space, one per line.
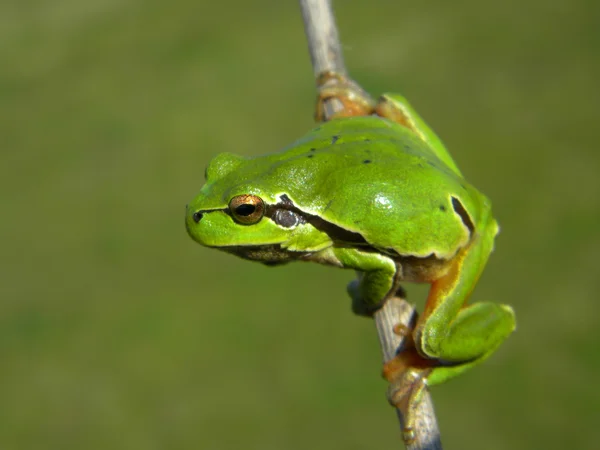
378, 278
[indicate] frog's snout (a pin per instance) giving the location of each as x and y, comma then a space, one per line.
191, 219
196, 216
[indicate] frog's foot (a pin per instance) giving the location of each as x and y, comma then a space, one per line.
408, 380
470, 337
355, 101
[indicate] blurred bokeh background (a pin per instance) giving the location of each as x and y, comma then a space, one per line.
119, 332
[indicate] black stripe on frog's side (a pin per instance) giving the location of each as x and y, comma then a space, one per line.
409, 268
335, 232
463, 214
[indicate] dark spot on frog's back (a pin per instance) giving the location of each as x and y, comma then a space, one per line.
442, 208
462, 212
367, 161
367, 140
334, 138
313, 149
328, 205
310, 156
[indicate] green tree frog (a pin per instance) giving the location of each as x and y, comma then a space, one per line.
381, 195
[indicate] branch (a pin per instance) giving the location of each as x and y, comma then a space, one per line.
398, 311
326, 56
323, 45
323, 41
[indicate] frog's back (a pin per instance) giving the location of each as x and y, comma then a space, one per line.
374, 177
362, 137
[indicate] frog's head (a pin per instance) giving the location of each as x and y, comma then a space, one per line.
238, 211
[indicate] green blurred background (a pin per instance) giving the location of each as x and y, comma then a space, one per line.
118, 332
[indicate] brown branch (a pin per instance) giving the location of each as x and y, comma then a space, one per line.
326, 57
398, 311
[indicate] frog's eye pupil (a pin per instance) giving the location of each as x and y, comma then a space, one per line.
245, 210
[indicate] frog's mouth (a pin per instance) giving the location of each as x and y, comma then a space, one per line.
271, 254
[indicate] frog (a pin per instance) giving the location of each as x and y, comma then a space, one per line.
375, 191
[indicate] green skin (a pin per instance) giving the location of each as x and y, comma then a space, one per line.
380, 196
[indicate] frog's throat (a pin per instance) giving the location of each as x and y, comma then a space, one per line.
270, 254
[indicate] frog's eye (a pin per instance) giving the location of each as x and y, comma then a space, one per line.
247, 209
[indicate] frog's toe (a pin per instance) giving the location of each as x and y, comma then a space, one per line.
405, 392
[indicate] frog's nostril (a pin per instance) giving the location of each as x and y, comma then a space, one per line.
197, 216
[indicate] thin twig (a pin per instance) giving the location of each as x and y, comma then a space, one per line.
323, 40
326, 56
323, 44
398, 311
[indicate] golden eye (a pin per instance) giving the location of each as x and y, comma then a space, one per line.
247, 209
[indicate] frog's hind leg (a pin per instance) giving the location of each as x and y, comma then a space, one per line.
449, 337
452, 332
